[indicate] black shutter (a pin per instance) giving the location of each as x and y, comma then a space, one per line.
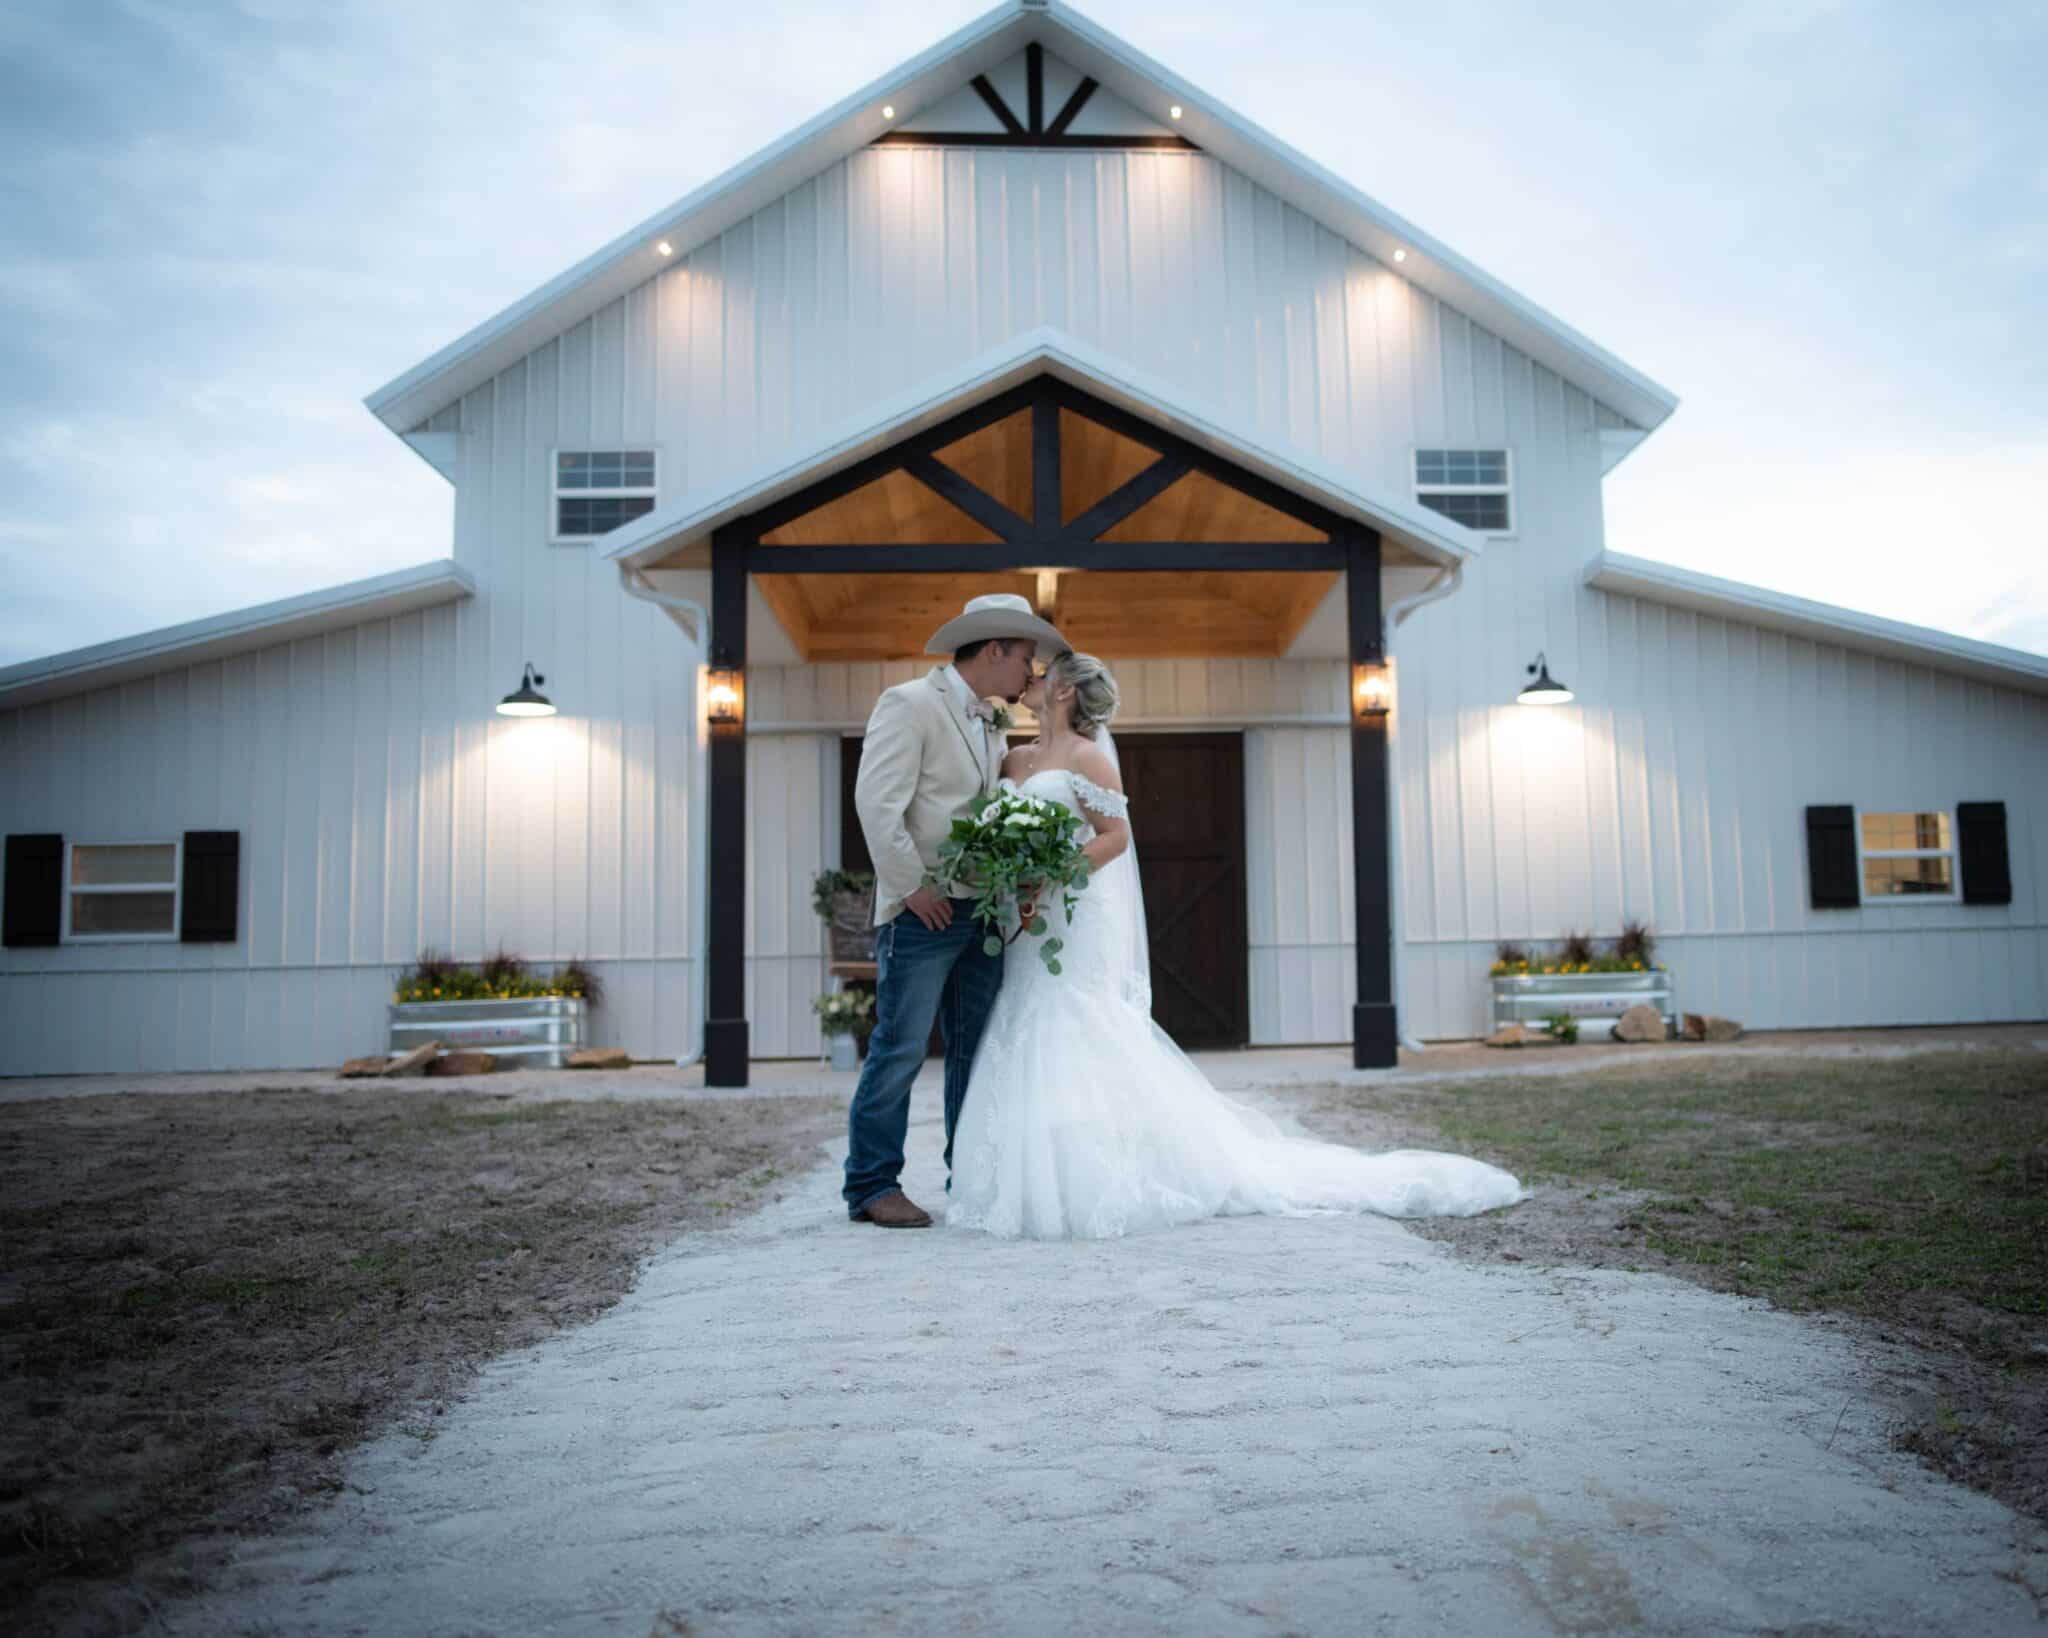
1981, 851
1831, 858
213, 873
34, 891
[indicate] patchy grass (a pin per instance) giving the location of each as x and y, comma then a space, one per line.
205, 1300
1910, 1192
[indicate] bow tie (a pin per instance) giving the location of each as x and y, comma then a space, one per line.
982, 709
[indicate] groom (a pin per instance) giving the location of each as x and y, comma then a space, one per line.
932, 747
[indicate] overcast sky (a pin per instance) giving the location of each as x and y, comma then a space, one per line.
1824, 225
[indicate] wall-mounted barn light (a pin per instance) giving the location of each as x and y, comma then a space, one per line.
527, 700
1546, 689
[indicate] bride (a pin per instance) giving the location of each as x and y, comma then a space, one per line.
1082, 1118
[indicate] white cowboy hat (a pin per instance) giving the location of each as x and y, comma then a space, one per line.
1000, 614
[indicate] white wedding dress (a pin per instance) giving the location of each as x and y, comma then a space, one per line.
1084, 1121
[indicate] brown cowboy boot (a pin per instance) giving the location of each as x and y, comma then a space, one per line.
894, 1211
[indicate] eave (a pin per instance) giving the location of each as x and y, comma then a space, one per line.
221, 636
1818, 622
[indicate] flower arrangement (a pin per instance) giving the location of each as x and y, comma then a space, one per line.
1633, 951
501, 977
828, 883
1013, 850
845, 1012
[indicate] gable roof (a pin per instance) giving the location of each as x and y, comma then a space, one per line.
920, 86
690, 519
219, 636
1818, 622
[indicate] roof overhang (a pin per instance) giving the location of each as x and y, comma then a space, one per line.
721, 204
222, 635
1818, 622
691, 519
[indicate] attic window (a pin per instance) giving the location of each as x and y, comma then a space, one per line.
1469, 486
597, 490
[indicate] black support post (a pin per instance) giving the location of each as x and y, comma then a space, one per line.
725, 1024
1374, 1038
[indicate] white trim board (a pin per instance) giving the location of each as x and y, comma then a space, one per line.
406, 402
1819, 622
237, 632
692, 518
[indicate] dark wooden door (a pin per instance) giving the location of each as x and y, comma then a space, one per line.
1187, 812
1187, 804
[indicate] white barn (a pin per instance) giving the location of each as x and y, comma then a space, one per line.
1028, 313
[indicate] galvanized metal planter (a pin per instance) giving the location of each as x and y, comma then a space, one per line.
1596, 1000
536, 1032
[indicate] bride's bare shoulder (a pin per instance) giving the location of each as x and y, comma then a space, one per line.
1093, 765
1017, 763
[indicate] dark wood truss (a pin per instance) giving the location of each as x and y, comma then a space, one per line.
1043, 540
1033, 130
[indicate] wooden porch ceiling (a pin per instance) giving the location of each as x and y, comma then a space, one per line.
1128, 615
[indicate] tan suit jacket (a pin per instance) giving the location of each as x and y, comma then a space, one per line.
924, 759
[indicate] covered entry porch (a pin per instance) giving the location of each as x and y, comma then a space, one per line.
1150, 539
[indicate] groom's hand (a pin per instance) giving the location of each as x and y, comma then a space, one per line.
933, 909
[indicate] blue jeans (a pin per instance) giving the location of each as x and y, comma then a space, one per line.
919, 974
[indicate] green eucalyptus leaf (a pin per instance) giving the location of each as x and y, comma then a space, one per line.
1053, 967
991, 946
1039, 925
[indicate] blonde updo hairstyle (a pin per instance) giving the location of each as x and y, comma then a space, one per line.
1095, 699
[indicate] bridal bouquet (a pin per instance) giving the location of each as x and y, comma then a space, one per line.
1005, 842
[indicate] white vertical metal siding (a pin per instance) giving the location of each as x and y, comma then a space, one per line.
383, 808
1674, 789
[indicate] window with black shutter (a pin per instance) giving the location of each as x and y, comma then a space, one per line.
213, 873
33, 891
1985, 859
1831, 857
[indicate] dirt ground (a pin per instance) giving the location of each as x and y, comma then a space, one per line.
1959, 1348
204, 1302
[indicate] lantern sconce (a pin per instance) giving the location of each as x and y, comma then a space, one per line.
527, 700
1372, 689
725, 696
1546, 689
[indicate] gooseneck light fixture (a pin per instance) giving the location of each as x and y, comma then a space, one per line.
1546, 689
527, 700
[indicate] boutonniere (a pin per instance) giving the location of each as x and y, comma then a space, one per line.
1002, 719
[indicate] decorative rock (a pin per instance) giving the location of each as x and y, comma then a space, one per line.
415, 1062
598, 1058
1705, 1027
359, 1069
463, 1063
1640, 1023
1509, 1035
